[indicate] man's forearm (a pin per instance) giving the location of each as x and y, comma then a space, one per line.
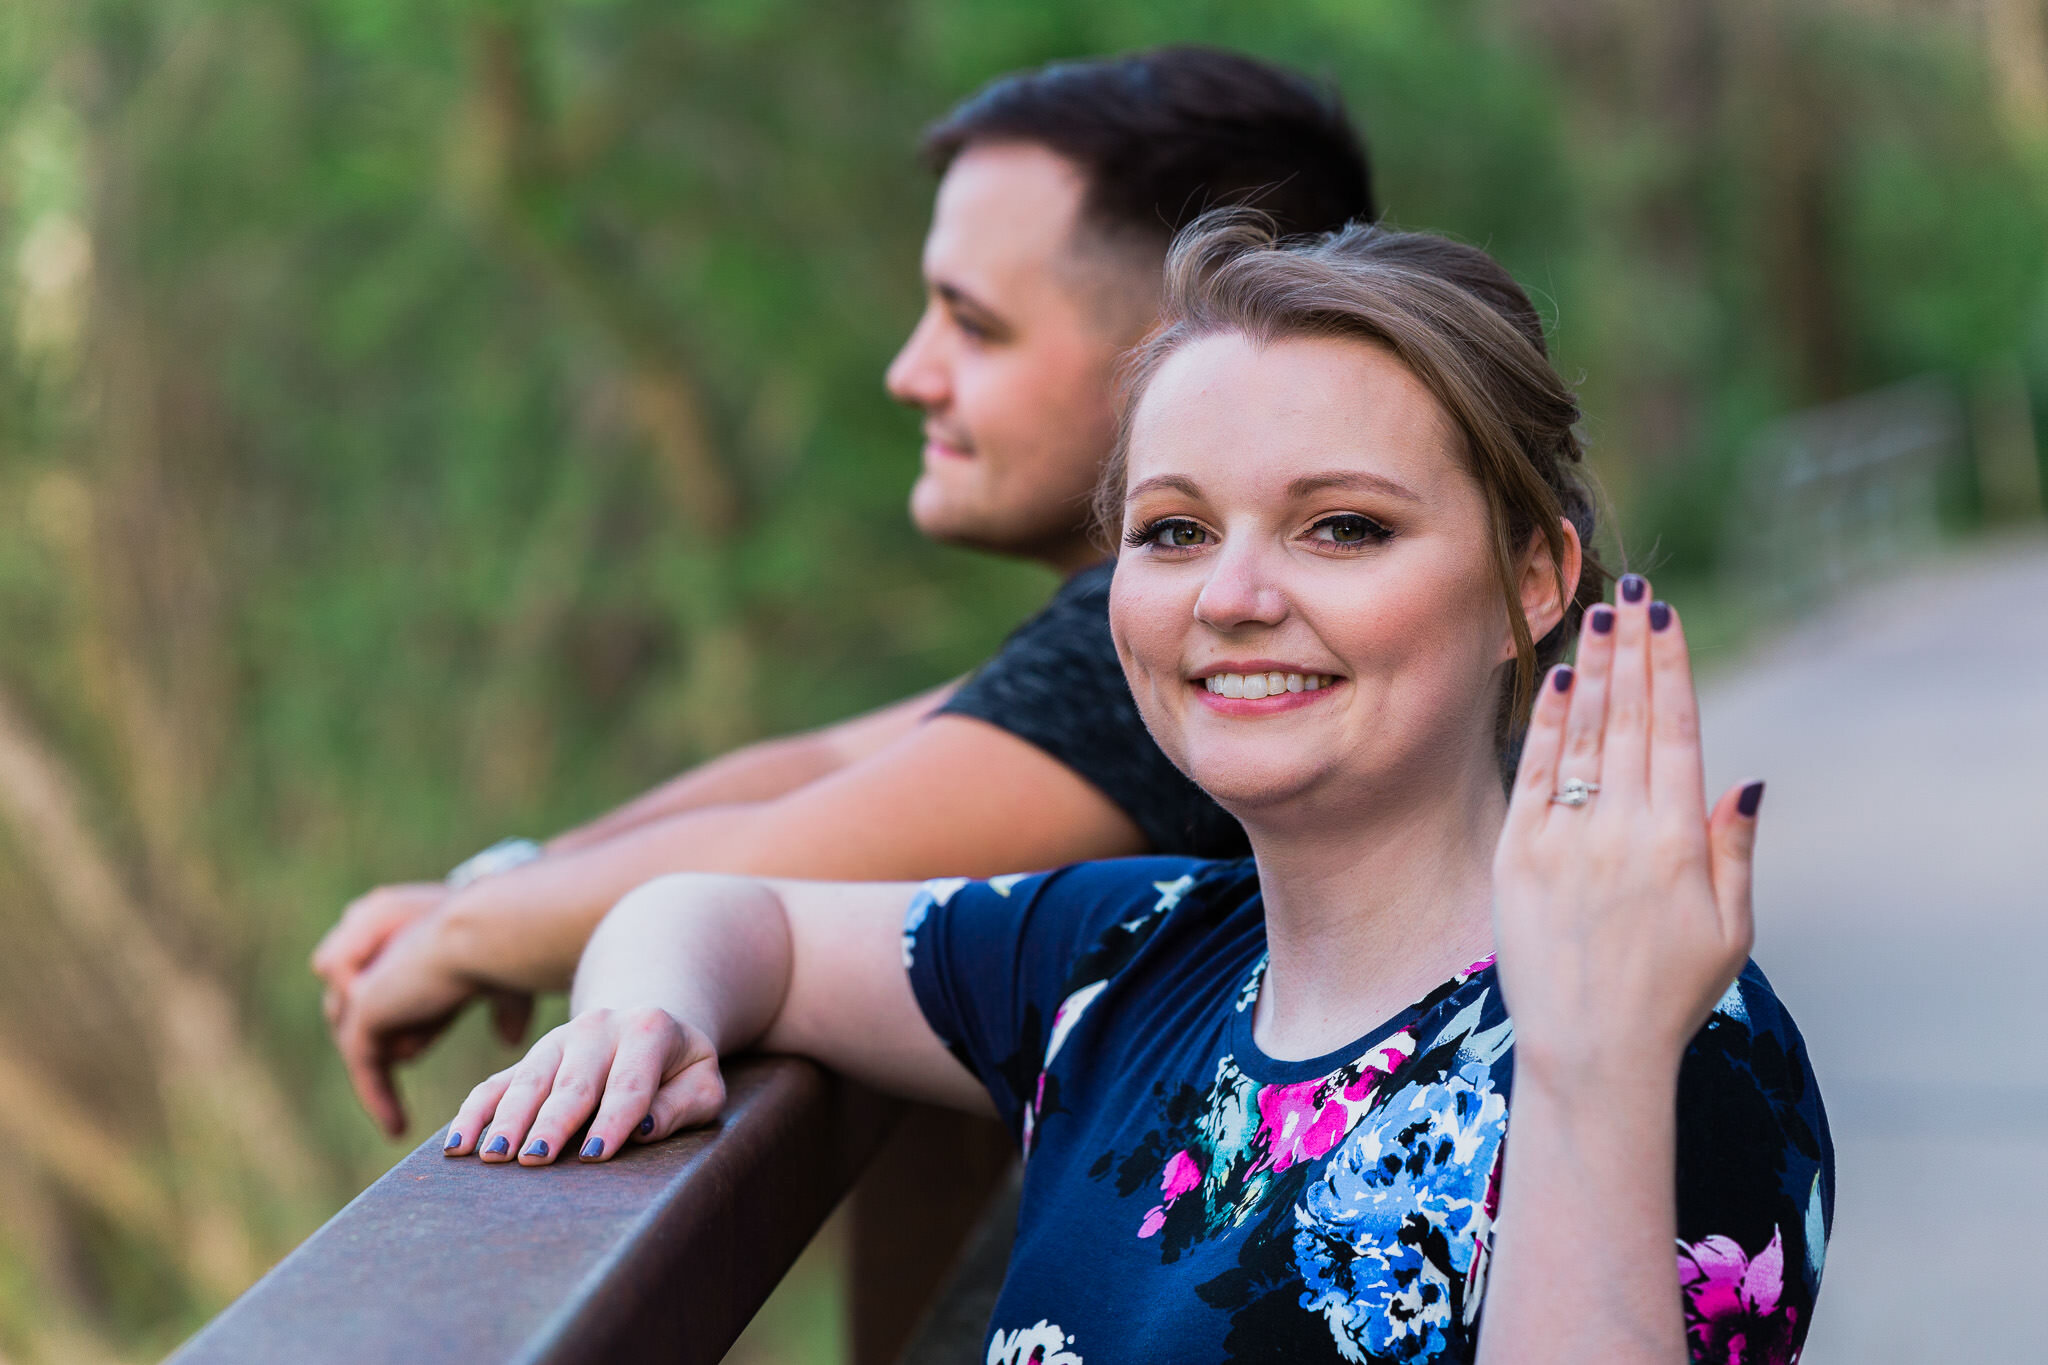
524, 930
1584, 1260
760, 772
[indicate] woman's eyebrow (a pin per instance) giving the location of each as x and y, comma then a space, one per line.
1354, 479
1179, 483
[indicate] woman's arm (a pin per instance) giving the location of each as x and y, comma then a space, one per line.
690, 968
990, 801
1619, 923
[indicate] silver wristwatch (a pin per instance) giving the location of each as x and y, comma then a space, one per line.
502, 856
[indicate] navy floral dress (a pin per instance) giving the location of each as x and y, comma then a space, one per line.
1187, 1198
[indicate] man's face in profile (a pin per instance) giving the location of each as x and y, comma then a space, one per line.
1014, 357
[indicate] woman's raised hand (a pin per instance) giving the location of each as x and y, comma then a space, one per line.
642, 1072
1622, 911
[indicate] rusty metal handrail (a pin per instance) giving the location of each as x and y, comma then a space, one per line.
667, 1249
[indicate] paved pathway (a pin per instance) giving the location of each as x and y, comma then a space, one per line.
1903, 914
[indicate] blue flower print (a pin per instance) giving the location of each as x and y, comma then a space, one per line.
1390, 1240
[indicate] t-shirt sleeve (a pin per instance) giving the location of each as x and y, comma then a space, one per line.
1756, 1182
1057, 684
993, 962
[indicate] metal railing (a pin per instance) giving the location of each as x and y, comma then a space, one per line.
665, 1252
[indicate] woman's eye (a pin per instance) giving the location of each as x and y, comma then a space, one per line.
1348, 528
1172, 534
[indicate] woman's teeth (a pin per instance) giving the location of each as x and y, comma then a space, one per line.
1252, 686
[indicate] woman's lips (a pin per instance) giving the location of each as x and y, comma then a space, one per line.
1312, 688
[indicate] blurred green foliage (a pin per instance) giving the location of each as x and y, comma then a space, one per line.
422, 420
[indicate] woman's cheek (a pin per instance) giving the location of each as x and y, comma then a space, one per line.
1150, 634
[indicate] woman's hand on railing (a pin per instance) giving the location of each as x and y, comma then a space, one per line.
642, 1072
1622, 908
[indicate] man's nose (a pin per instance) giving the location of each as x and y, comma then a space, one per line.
918, 377
1241, 589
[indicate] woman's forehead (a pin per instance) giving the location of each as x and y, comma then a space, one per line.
1226, 408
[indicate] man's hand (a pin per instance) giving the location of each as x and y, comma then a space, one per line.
399, 1004
361, 933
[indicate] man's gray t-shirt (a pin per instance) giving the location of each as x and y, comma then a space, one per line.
1056, 682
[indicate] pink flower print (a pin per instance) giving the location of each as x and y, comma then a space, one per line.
1298, 1128
1182, 1175
1732, 1310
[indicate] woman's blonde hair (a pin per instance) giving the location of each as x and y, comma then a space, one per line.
1461, 324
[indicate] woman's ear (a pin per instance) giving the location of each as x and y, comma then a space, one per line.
1542, 607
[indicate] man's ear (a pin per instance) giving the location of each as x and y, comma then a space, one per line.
1542, 607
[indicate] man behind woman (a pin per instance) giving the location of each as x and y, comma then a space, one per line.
1060, 190
1264, 1102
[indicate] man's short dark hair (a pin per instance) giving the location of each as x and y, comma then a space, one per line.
1166, 135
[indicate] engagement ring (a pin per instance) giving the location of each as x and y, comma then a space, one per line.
1574, 792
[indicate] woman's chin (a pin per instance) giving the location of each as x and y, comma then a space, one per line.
1246, 783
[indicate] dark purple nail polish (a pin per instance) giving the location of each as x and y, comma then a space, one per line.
592, 1149
499, 1145
535, 1148
454, 1141
1562, 679
1602, 619
1660, 615
1752, 797
647, 1125
1632, 587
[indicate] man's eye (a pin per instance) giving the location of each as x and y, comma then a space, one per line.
1170, 534
1348, 528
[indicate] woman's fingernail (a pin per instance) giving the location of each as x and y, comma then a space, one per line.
1602, 619
1660, 615
499, 1145
647, 1125
1752, 797
454, 1141
592, 1149
536, 1148
1562, 679
1632, 586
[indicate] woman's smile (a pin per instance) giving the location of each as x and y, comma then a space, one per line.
1260, 687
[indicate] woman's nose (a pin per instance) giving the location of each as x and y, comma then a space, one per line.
1240, 591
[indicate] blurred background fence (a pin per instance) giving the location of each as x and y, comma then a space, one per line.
423, 420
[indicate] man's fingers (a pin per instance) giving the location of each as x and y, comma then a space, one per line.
1677, 776
367, 925
369, 1073
1731, 844
1625, 737
511, 1015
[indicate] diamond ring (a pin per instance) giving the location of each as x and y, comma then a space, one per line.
1574, 792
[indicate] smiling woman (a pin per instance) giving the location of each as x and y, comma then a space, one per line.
1264, 1103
